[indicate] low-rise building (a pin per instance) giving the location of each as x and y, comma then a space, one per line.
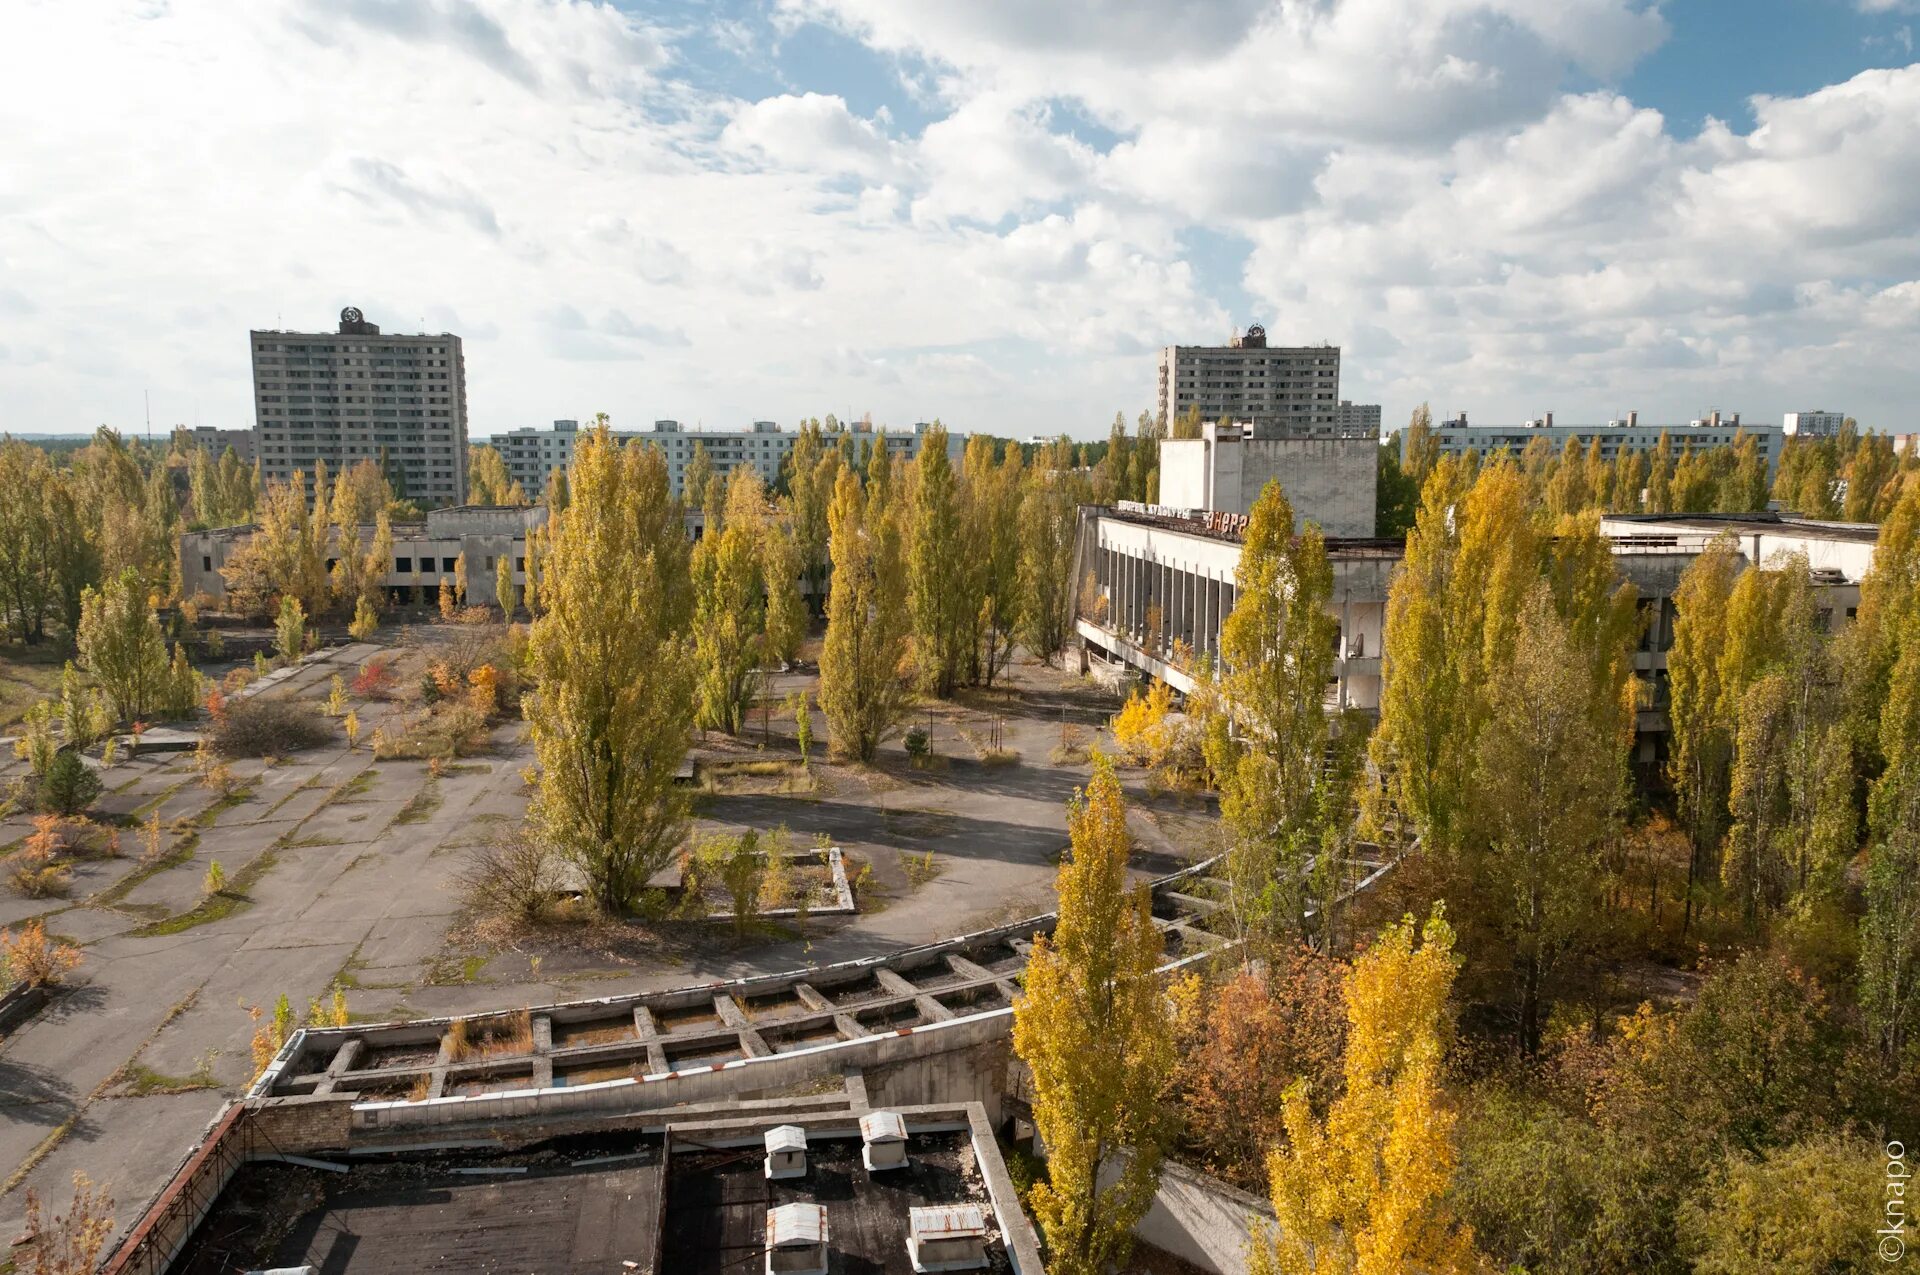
1456, 437
424, 553
215, 442
1161, 582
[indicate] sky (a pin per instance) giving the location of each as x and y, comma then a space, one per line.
991, 212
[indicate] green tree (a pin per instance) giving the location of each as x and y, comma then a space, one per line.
1451, 614
860, 688
614, 676
1420, 450
1287, 779
1093, 1027
1550, 787
1049, 523
781, 572
943, 576
122, 648
992, 499
697, 477
1890, 930
290, 630
69, 786
27, 589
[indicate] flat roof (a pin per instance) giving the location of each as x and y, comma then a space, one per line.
717, 1203
565, 1210
1758, 524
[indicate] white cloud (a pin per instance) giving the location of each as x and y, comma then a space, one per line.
810, 132
610, 231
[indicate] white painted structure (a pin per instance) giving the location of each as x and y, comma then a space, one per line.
1329, 481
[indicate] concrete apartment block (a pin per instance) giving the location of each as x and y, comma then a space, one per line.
1815, 424
216, 441
358, 394
1456, 437
1281, 391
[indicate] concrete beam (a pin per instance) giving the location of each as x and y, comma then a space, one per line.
752, 1043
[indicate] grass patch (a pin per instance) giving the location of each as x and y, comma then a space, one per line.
302, 843
921, 868
238, 797
153, 803
421, 807
214, 907
1000, 757
353, 788
757, 777
137, 1080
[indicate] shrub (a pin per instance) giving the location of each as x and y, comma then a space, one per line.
1806, 1207
513, 880
216, 879
69, 1243
374, 680
35, 875
29, 956
917, 744
69, 785
1141, 728
269, 727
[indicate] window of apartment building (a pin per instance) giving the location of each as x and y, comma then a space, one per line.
446, 564
403, 566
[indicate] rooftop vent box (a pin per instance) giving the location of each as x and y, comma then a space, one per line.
797, 1240
884, 1138
947, 1237
786, 1152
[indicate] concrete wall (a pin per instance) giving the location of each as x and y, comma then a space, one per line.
913, 1060
1199, 1219
1330, 481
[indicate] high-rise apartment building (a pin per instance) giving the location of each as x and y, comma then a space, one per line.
1281, 391
1357, 420
1813, 424
357, 394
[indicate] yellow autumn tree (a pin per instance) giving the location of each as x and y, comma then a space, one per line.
1363, 1193
1140, 727
1097, 1033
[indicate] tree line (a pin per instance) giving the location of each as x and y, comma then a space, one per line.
932, 572
1501, 1086
1853, 476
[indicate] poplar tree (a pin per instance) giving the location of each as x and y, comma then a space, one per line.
614, 677
1287, 782
1550, 788
1365, 1190
942, 572
1096, 1032
503, 588
1049, 522
1890, 930
488, 482
1700, 756
729, 617
860, 689
812, 469
1451, 615
26, 535
121, 646
993, 504
781, 572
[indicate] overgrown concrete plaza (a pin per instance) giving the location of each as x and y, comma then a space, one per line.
344, 872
